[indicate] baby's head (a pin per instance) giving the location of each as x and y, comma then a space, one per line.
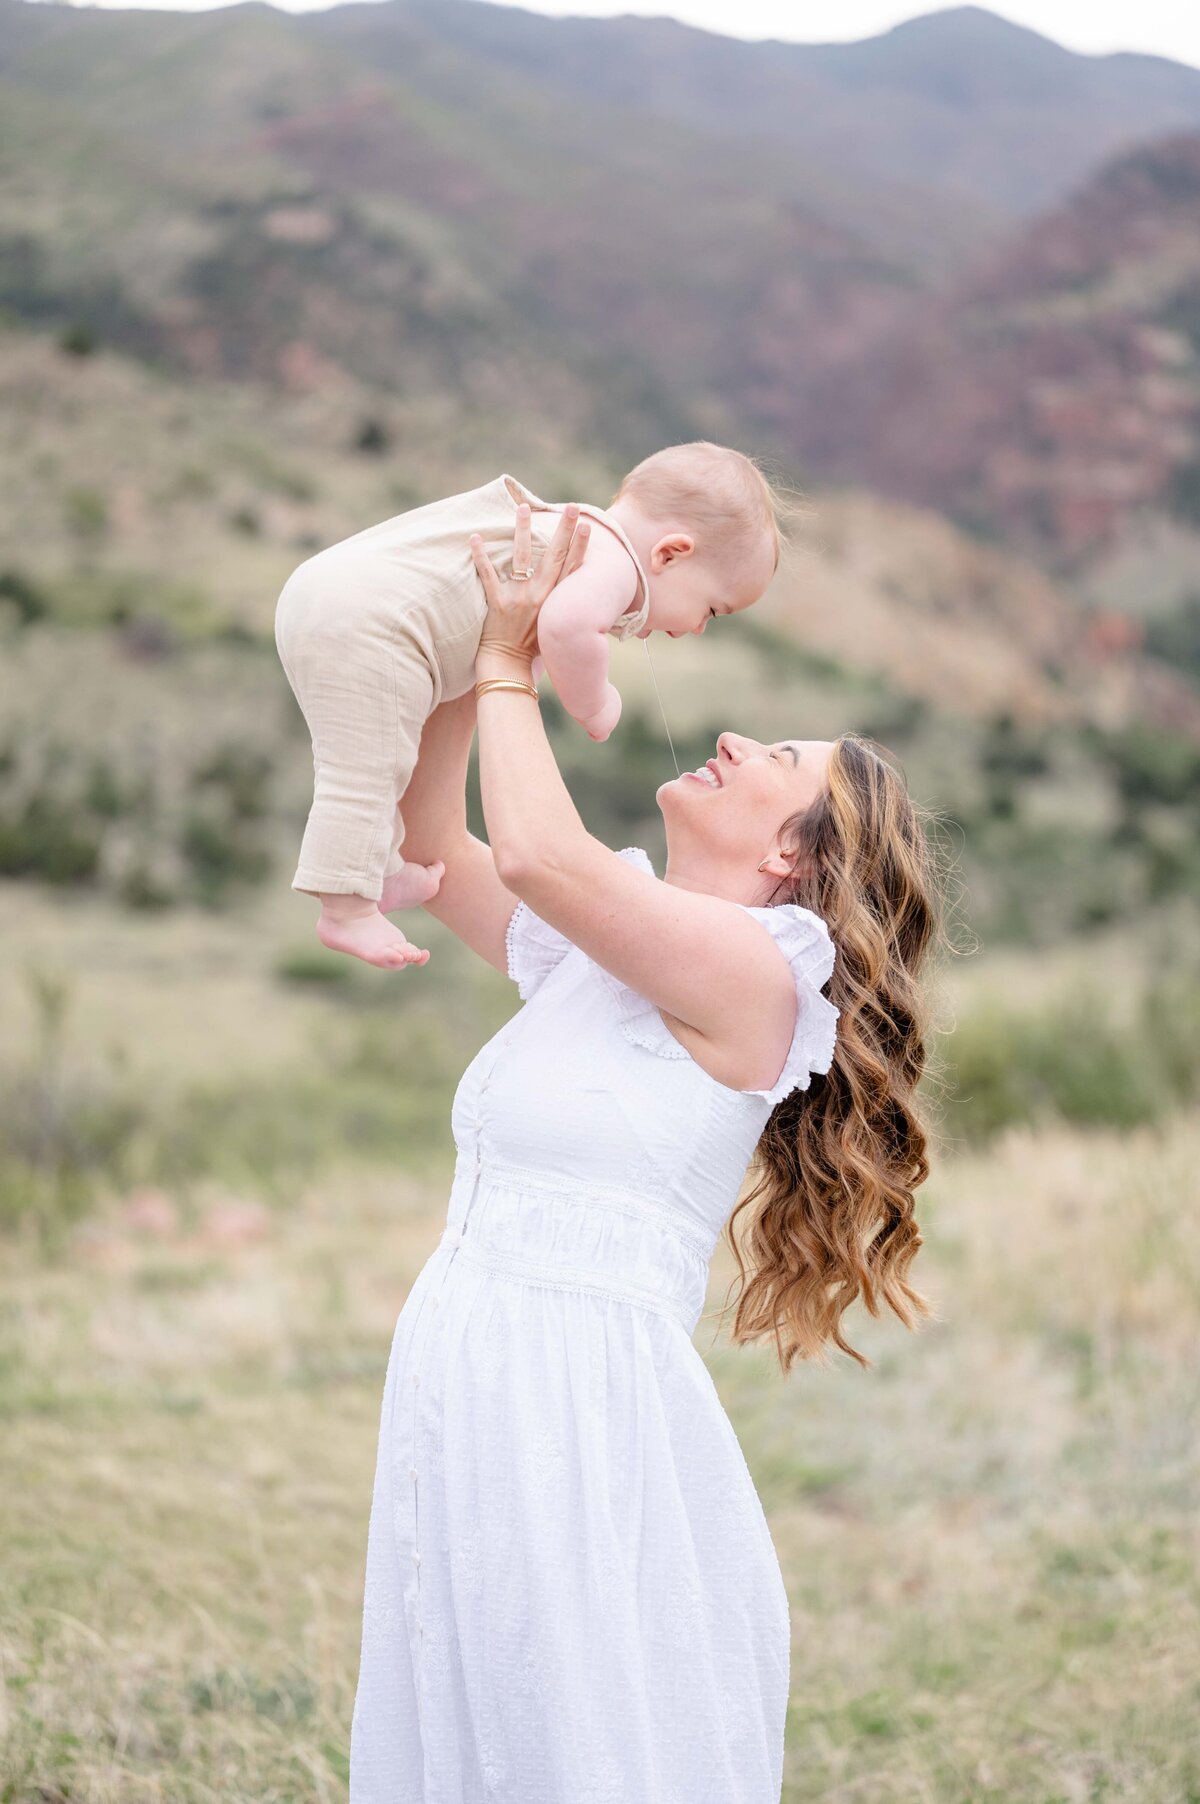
704, 521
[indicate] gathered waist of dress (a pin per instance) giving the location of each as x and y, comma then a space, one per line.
566, 1232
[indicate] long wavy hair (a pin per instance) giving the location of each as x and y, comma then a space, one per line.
836, 1168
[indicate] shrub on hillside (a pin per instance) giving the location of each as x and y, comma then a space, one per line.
372, 437
44, 836
1076, 1062
23, 597
1175, 636
78, 340
72, 819
1149, 765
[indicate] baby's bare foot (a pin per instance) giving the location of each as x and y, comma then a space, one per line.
370, 937
410, 886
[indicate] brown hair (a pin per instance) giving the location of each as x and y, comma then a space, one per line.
837, 1164
721, 493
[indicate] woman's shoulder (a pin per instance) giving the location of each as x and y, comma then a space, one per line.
801, 935
535, 949
805, 941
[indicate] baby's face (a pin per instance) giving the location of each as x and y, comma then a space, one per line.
686, 592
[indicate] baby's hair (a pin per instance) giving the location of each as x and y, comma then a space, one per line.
721, 493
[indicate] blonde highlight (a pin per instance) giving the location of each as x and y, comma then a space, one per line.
837, 1165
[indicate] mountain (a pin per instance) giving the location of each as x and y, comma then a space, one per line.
270, 201
607, 235
960, 105
127, 493
1053, 398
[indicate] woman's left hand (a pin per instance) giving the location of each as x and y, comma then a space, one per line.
508, 643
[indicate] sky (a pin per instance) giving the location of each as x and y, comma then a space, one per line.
1161, 27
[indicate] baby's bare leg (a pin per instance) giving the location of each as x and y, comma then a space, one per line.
358, 925
410, 887
354, 924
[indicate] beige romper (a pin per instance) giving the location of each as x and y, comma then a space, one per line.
373, 633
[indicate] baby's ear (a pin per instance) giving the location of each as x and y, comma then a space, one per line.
673, 546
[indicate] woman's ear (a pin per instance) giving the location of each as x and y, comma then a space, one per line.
670, 549
780, 865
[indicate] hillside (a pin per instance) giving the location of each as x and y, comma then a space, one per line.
192, 502
899, 592
387, 220
147, 525
1052, 399
376, 198
664, 235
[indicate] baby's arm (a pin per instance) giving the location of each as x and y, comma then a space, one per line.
572, 625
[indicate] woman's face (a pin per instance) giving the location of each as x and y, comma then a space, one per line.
736, 804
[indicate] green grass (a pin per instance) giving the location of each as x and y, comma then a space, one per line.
378, 1079
987, 1541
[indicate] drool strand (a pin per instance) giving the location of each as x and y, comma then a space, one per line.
661, 709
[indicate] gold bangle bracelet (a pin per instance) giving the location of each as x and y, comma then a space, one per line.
481, 688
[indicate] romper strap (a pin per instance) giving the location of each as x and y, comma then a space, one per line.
635, 617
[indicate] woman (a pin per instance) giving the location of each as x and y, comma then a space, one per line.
572, 1596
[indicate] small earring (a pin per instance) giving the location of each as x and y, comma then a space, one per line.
761, 865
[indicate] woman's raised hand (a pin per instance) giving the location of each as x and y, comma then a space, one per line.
509, 636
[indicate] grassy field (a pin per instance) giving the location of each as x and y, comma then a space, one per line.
989, 1541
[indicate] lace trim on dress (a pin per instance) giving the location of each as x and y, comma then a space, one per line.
533, 948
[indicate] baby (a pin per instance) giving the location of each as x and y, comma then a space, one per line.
375, 631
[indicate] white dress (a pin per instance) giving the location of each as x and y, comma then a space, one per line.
572, 1595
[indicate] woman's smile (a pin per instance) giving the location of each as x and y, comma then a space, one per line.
708, 773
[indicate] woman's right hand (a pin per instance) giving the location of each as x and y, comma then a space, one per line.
508, 641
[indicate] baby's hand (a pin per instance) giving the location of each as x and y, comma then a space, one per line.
601, 724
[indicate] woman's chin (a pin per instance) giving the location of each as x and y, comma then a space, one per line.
681, 798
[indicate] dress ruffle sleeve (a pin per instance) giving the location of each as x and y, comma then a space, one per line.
804, 940
534, 948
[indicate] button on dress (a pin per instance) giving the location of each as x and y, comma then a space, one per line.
572, 1595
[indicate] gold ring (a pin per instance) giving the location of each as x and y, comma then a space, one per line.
521, 576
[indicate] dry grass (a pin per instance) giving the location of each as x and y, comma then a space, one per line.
989, 1541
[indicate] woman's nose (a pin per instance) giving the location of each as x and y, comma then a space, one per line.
737, 747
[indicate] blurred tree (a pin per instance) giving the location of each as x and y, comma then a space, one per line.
373, 437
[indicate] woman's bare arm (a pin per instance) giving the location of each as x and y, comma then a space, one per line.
471, 899
710, 966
